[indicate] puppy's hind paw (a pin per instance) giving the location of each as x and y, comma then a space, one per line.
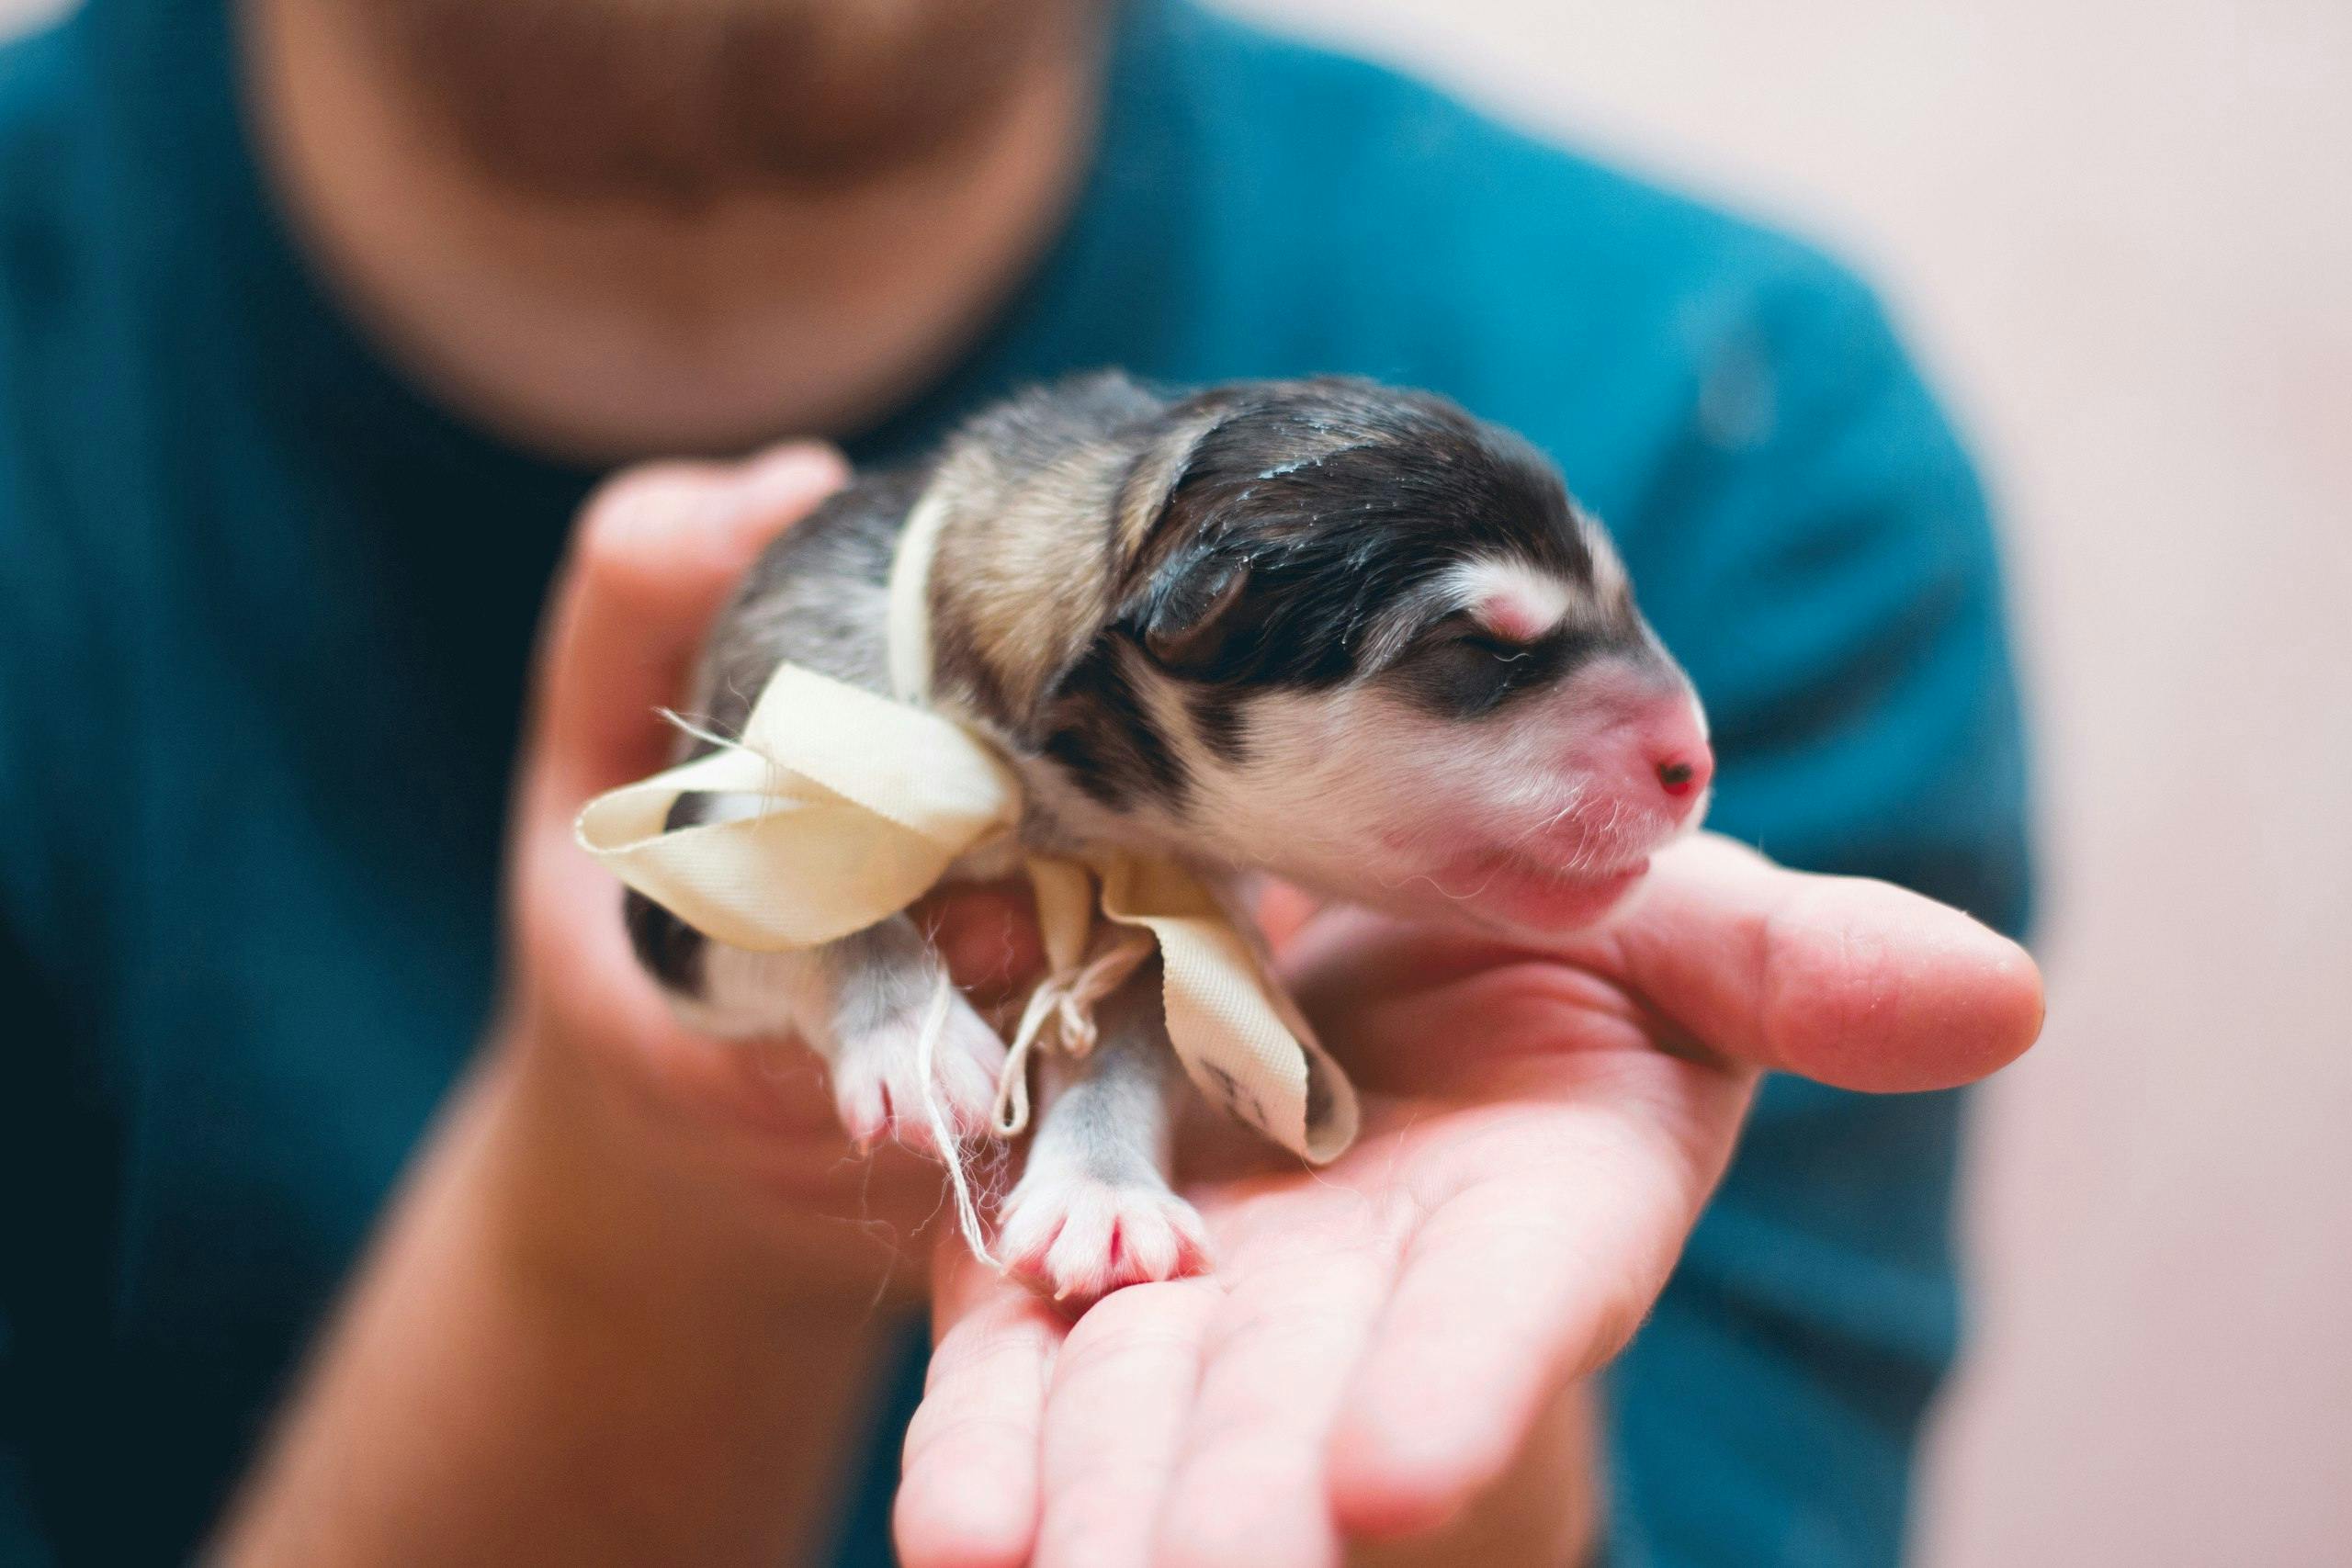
1079, 1238
879, 1082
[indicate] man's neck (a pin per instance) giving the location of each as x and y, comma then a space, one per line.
605, 332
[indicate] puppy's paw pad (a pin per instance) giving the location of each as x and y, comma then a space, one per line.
878, 1078
1080, 1238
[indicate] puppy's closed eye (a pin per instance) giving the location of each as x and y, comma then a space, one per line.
1460, 666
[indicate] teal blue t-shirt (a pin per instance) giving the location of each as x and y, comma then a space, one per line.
264, 614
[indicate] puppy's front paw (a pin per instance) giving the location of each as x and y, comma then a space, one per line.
1080, 1238
877, 1077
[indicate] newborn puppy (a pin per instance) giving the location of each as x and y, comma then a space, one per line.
1324, 629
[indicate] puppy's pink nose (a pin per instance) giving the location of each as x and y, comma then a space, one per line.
1675, 748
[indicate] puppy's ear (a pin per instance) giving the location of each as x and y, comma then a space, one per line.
1185, 610
1192, 610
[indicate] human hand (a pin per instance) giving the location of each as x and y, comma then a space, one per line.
1381, 1337
673, 1129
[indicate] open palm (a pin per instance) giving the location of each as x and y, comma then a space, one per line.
1381, 1337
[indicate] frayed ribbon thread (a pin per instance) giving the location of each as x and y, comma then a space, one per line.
944, 1138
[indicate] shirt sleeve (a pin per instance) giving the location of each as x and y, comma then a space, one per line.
1835, 583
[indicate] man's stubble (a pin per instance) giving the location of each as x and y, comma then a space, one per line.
687, 103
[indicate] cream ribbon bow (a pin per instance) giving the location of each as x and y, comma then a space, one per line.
866, 802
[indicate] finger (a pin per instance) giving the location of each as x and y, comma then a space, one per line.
655, 553
1854, 982
1122, 1386
1250, 1481
1531, 1275
968, 1495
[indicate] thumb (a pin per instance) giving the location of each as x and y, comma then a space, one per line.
1846, 980
1843, 979
656, 552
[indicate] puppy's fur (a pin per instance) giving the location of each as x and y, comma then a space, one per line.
1326, 629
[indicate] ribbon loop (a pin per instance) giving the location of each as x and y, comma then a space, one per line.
859, 806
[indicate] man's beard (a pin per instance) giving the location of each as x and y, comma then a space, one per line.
687, 102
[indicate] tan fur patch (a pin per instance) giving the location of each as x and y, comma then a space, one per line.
1018, 590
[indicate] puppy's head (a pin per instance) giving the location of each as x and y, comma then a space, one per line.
1367, 643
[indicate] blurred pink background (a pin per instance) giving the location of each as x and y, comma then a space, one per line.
2120, 235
